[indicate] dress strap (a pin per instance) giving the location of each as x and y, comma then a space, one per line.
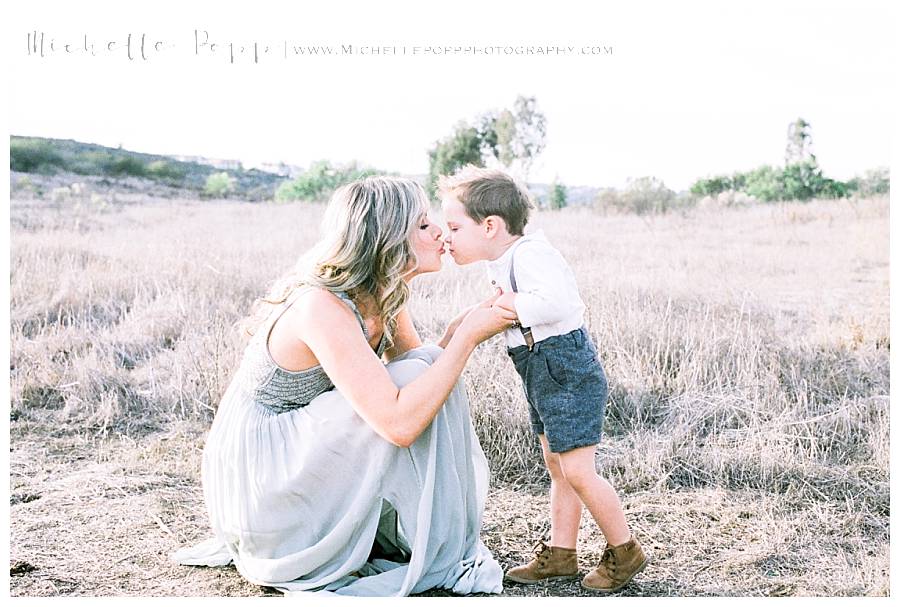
293, 297
287, 303
346, 299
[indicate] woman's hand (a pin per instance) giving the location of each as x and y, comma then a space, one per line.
458, 319
506, 300
454, 325
486, 319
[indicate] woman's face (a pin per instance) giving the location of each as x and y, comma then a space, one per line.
428, 245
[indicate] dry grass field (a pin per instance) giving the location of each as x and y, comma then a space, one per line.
747, 351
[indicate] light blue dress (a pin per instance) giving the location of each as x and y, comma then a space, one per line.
310, 498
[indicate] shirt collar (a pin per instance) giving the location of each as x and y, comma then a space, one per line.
505, 259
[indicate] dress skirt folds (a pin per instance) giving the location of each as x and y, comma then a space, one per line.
312, 499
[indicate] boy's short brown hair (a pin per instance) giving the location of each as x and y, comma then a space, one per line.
486, 192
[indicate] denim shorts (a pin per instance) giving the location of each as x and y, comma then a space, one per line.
566, 389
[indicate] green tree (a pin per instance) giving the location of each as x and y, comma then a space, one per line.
557, 197
872, 183
219, 184
164, 170
320, 180
648, 195
513, 138
711, 185
801, 178
765, 183
797, 181
454, 152
799, 143
489, 138
123, 164
34, 156
530, 136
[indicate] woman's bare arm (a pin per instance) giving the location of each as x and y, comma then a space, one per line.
332, 332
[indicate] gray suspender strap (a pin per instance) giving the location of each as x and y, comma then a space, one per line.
526, 331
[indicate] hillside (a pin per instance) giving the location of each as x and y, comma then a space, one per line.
45, 156
53, 156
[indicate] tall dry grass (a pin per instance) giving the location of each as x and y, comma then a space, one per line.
747, 349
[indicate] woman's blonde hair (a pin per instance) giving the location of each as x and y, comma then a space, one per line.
365, 250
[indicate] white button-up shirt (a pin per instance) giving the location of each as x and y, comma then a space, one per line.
547, 298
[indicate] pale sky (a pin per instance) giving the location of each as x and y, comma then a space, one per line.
690, 89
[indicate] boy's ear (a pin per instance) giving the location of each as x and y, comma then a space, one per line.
492, 225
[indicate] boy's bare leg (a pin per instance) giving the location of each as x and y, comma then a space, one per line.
597, 494
565, 505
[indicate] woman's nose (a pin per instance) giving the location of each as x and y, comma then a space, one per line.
438, 232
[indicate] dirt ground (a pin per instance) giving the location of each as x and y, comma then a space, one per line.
99, 518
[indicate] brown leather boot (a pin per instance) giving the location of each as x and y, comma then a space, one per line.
549, 563
617, 566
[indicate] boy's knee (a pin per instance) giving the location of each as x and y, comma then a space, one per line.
553, 466
556, 472
577, 473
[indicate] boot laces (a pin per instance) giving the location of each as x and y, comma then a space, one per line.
608, 560
541, 552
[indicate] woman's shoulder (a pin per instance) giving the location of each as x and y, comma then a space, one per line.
319, 305
312, 295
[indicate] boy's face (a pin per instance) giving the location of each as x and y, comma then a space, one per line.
466, 239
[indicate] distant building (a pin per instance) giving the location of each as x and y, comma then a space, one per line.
278, 168
225, 165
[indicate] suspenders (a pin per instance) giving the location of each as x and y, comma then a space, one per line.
526, 331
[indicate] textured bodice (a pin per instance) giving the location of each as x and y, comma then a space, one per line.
278, 389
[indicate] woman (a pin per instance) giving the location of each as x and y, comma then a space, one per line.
327, 469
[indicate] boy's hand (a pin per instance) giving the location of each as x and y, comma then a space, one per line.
506, 301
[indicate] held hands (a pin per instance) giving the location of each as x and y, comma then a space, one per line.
487, 318
506, 301
457, 320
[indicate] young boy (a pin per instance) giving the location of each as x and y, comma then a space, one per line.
486, 212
